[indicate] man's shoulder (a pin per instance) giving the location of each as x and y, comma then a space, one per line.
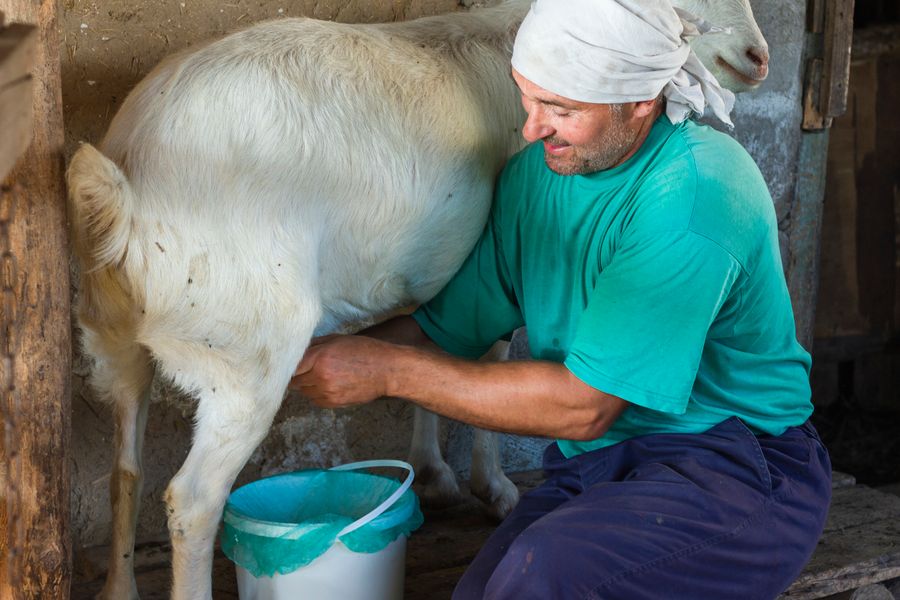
720, 164
704, 181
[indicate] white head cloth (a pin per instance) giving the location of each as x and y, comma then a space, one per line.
615, 51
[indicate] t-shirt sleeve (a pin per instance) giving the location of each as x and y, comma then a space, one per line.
478, 306
646, 322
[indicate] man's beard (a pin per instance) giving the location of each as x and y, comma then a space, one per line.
601, 155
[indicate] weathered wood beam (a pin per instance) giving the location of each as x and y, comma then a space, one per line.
858, 547
37, 331
826, 81
17, 44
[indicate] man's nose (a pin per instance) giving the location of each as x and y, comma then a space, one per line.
535, 128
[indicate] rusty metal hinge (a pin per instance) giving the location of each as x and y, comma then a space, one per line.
828, 65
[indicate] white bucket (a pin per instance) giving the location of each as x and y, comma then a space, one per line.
339, 573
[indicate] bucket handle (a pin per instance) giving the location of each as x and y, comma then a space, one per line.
378, 510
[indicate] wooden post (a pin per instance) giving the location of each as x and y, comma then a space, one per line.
17, 46
37, 323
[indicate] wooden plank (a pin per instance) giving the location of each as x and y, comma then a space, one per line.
855, 506
37, 412
827, 76
813, 119
815, 16
17, 45
860, 556
891, 488
842, 480
860, 545
838, 42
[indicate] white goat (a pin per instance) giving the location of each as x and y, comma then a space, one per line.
266, 187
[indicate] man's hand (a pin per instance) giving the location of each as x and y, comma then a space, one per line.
342, 370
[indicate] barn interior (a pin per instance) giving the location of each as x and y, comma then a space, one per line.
826, 137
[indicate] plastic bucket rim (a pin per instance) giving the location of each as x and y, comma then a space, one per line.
240, 520
268, 528
265, 528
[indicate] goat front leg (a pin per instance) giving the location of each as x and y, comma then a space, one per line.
489, 483
435, 481
231, 423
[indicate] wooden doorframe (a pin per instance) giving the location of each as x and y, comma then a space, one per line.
35, 326
827, 59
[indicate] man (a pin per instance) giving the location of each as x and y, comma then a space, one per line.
641, 251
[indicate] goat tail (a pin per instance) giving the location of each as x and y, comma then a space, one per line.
101, 206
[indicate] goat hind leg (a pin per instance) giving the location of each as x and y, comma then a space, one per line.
231, 423
127, 381
437, 483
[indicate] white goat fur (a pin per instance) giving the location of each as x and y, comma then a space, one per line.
272, 185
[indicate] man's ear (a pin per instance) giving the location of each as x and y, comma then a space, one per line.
644, 108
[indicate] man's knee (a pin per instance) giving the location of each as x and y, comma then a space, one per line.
537, 565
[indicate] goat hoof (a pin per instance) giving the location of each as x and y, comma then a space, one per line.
436, 486
499, 496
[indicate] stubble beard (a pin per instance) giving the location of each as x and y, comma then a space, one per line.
601, 155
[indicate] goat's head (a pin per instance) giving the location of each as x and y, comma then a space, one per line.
740, 61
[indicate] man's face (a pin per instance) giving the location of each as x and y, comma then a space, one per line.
578, 137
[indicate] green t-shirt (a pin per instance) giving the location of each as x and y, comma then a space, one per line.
658, 281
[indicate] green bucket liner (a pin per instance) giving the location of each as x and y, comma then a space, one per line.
281, 523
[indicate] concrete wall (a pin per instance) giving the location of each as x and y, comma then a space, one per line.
110, 45
767, 121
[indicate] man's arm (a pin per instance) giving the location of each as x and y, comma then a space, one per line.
525, 397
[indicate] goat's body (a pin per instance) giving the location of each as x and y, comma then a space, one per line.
248, 152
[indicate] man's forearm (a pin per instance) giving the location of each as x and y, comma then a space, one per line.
396, 358
527, 397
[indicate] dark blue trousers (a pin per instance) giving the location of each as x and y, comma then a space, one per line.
718, 515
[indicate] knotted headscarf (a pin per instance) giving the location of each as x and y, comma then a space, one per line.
615, 51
